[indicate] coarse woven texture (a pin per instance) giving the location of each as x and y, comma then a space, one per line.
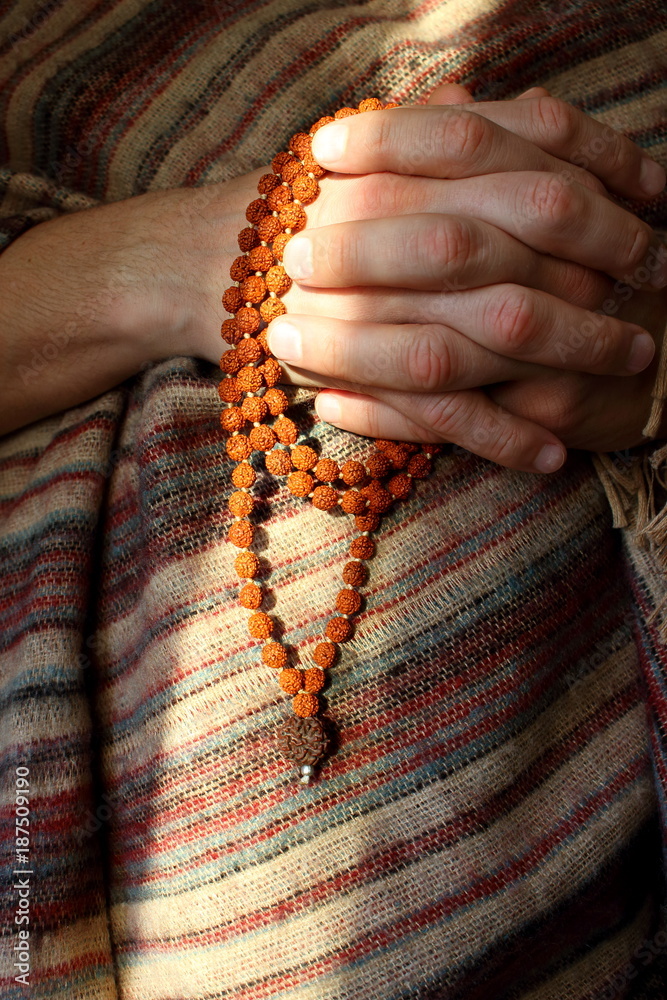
492, 824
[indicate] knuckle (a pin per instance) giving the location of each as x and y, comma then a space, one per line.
339, 254
556, 119
554, 200
378, 195
463, 135
445, 250
513, 318
444, 413
428, 360
581, 286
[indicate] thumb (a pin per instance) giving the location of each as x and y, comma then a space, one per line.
450, 93
533, 92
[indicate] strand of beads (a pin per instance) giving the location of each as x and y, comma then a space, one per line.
250, 394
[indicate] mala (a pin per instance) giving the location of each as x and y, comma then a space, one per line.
249, 390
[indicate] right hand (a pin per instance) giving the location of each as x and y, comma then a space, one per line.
520, 261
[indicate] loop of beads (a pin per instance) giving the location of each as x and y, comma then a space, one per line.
250, 397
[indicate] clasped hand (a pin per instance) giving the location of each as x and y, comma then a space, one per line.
466, 276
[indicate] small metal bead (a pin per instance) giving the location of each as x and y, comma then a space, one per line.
258, 274
310, 174
275, 215
263, 196
248, 305
289, 232
306, 772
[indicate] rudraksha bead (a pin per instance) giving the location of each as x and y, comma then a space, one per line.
240, 268
303, 457
241, 503
241, 534
232, 419
260, 625
248, 350
229, 391
250, 379
327, 470
313, 680
324, 497
248, 320
352, 502
250, 596
271, 309
248, 239
338, 629
261, 258
348, 602
278, 280
271, 371
362, 547
254, 409
238, 447
355, 573
305, 704
262, 438
278, 462
276, 400
274, 655
352, 472
268, 229
290, 680
300, 484
243, 475
324, 654
285, 430
246, 565
230, 331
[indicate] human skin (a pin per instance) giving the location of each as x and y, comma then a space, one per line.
130, 283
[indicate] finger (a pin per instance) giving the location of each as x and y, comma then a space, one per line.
533, 92
408, 357
455, 141
467, 418
451, 93
449, 252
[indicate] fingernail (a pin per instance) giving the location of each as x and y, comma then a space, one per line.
550, 458
652, 177
641, 353
298, 258
329, 143
285, 341
328, 408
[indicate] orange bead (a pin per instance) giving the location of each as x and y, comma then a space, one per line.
378, 465
228, 390
278, 280
261, 340
260, 625
250, 379
266, 183
241, 534
367, 522
243, 475
230, 362
276, 400
250, 596
300, 484
370, 104
261, 258
279, 161
271, 308
232, 419
271, 371
291, 171
246, 565
313, 680
338, 629
253, 288
324, 654
303, 457
290, 680
230, 331
352, 472
232, 299
399, 486
305, 189
420, 466
248, 350
238, 447
299, 144
278, 462
257, 210
274, 655
241, 504
305, 704
268, 229
327, 470
379, 499
247, 320
348, 602
293, 217
346, 112
398, 456
262, 438
355, 574
324, 497
248, 238
279, 244
285, 429
352, 502
279, 196
362, 547
254, 409
240, 268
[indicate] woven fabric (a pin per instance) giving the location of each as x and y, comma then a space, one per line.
492, 823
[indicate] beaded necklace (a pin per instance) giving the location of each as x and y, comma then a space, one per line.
249, 390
